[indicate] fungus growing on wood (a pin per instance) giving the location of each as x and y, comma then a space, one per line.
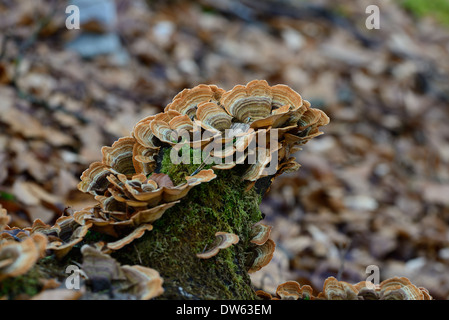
146, 283
292, 290
260, 234
262, 255
252, 128
222, 241
70, 233
242, 112
261, 249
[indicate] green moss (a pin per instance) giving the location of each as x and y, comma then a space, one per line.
439, 9
189, 227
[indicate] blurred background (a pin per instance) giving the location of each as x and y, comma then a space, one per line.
373, 190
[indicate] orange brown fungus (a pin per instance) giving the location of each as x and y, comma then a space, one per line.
396, 288
19, 249
292, 290
262, 255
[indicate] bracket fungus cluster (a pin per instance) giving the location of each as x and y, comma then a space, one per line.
215, 124
396, 288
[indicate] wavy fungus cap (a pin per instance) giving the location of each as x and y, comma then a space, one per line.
338, 290
223, 240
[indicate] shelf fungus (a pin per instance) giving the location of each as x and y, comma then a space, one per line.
129, 202
256, 124
222, 241
396, 288
62, 236
260, 234
262, 249
338, 290
19, 250
290, 290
